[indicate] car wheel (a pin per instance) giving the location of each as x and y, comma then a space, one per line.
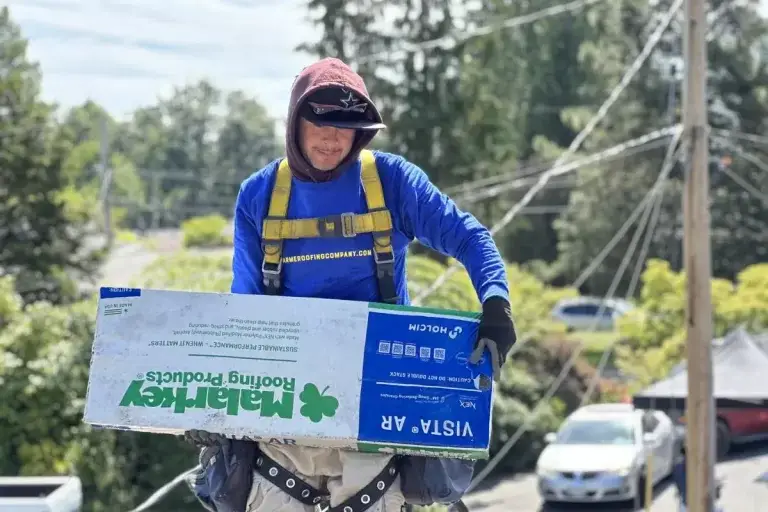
723, 439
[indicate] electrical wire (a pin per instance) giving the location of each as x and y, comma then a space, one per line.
598, 260
450, 40
748, 187
632, 70
652, 211
164, 490
622, 150
646, 245
571, 361
751, 137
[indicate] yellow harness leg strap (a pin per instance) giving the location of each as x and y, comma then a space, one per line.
377, 221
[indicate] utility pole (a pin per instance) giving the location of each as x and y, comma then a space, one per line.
696, 249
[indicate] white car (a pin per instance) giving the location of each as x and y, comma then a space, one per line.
601, 451
590, 313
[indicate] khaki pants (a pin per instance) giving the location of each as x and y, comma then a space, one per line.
342, 473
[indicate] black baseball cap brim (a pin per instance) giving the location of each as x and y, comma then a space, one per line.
340, 108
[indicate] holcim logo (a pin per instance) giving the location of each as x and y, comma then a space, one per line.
435, 329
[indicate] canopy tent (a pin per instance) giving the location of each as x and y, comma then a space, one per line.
739, 367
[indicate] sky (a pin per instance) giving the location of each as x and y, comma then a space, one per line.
124, 54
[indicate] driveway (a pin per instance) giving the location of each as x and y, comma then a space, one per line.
741, 493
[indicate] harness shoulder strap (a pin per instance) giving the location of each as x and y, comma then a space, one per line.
377, 221
383, 253
272, 241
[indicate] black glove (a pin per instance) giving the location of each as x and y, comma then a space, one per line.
496, 333
210, 444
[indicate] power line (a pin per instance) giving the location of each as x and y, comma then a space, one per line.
622, 150
647, 209
612, 97
653, 208
642, 207
450, 40
748, 187
598, 260
646, 245
566, 368
751, 137
746, 156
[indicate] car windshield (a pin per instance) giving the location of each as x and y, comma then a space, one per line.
602, 431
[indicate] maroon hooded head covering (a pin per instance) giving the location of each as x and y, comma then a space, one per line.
330, 93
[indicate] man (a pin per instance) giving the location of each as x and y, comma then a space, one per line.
365, 208
679, 478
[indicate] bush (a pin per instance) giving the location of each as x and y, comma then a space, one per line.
206, 231
655, 333
126, 237
44, 358
188, 272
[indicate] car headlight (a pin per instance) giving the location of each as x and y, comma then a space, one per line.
623, 472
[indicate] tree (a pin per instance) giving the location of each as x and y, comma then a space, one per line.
45, 353
192, 155
417, 91
737, 101
40, 242
654, 334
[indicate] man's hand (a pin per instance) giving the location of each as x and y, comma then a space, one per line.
210, 444
496, 333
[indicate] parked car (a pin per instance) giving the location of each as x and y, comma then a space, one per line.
734, 426
589, 313
600, 453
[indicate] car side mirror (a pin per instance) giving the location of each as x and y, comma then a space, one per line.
550, 438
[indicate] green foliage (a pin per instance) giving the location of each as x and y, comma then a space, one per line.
190, 272
40, 243
206, 231
531, 299
655, 333
45, 352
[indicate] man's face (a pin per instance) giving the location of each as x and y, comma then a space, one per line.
325, 146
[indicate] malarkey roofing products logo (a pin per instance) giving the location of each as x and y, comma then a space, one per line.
233, 392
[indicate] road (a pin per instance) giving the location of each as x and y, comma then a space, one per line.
741, 492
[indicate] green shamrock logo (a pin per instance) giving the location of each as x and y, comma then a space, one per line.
317, 404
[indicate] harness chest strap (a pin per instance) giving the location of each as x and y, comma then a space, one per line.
377, 221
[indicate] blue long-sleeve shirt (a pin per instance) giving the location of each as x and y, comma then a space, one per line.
343, 268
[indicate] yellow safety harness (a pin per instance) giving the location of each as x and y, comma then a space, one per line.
377, 221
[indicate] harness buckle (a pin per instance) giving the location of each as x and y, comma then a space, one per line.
347, 225
323, 506
337, 225
386, 260
271, 273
